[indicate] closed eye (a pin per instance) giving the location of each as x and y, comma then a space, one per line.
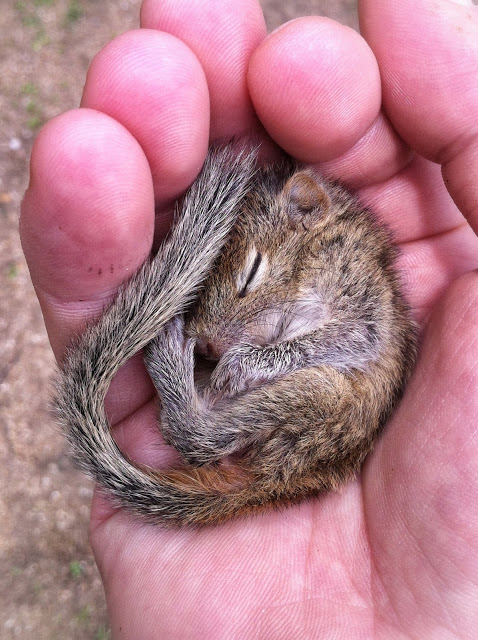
250, 275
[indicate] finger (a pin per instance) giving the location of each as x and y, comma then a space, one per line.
309, 97
427, 267
428, 60
437, 243
223, 36
87, 217
414, 203
153, 84
421, 493
86, 226
378, 155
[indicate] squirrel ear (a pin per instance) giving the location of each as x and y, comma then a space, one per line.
305, 199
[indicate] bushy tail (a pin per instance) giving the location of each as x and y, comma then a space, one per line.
161, 289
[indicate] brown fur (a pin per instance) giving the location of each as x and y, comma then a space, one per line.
311, 339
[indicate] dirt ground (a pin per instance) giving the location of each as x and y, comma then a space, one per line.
49, 585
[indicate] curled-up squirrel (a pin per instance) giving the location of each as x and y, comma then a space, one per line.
288, 285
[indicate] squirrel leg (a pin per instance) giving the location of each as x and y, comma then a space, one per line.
204, 435
201, 434
187, 423
277, 428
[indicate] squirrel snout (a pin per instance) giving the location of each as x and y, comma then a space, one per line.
208, 348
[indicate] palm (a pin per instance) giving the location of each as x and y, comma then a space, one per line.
395, 553
393, 536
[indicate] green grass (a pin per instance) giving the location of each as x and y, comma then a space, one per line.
29, 89
12, 273
75, 569
32, 106
41, 40
83, 616
35, 113
74, 12
103, 633
31, 21
34, 123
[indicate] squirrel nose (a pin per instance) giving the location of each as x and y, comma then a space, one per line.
208, 349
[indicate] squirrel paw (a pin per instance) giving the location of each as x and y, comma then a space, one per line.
232, 373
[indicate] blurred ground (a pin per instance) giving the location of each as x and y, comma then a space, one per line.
49, 585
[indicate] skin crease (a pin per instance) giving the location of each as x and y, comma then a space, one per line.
395, 554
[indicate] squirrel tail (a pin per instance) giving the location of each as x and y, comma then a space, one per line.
189, 496
160, 290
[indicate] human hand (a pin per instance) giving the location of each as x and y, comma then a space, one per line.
394, 554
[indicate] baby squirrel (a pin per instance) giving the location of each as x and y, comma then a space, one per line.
289, 284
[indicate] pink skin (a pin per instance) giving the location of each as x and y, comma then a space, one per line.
395, 553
